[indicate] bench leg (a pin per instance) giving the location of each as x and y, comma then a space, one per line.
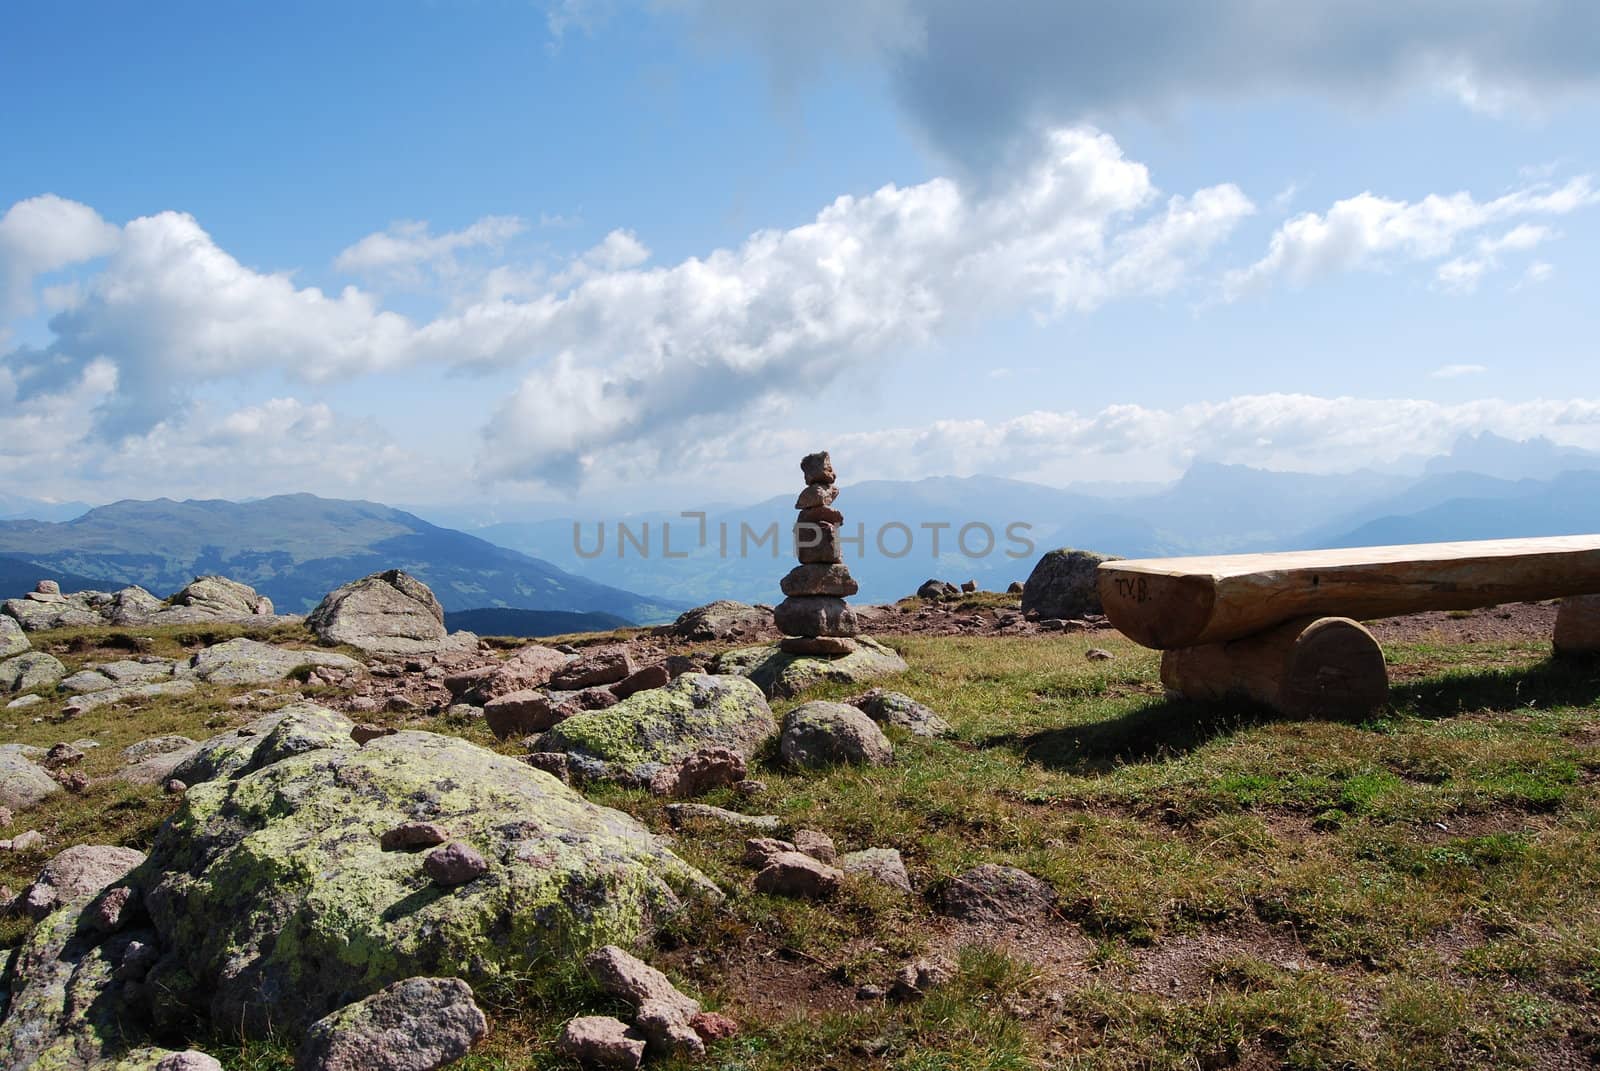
1578, 625
1313, 667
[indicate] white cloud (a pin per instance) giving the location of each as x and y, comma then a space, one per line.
1461, 275
42, 235
1368, 231
1535, 273
1288, 432
410, 244
1456, 371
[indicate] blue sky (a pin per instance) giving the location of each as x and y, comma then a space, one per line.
513, 252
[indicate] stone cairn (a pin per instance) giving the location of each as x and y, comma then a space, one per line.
813, 618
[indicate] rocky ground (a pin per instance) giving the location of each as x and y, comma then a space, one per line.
985, 840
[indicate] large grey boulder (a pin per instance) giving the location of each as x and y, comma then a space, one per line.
724, 619
637, 738
31, 669
63, 611
13, 640
276, 902
247, 661
782, 675
152, 761
23, 782
820, 733
386, 613
417, 1024
133, 605
1063, 584
220, 597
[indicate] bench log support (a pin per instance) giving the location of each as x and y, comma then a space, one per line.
1578, 626
1310, 667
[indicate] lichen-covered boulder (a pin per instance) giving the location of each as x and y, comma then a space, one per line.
133, 605
67, 1011
1063, 584
31, 669
277, 903
295, 729
222, 598
782, 675
721, 620
247, 661
386, 613
13, 640
820, 733
634, 740
23, 782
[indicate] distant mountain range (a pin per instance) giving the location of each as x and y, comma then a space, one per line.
1213, 508
297, 548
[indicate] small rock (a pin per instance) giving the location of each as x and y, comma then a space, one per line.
1014, 588
793, 874
361, 704
554, 763
61, 755
937, 589
655, 676
600, 1041
969, 586
816, 844
108, 913
48, 587
454, 864
748, 787
418, 1024
27, 840
365, 731
621, 974
917, 979
189, 1060
760, 852
666, 1029
678, 665
412, 835
870, 992
991, 893
175, 787
73, 780
1097, 654
603, 666
879, 864
897, 708
714, 1026
702, 771
5, 817
677, 813
398, 704
75, 874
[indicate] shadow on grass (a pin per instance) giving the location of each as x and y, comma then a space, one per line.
1166, 728
1555, 682
1169, 728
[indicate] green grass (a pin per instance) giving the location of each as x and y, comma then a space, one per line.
1236, 889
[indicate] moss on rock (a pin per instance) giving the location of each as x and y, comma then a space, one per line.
633, 740
783, 676
276, 903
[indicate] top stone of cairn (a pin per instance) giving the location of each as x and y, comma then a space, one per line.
818, 468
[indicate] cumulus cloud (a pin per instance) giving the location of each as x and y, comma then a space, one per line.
619, 352
1370, 231
42, 235
974, 77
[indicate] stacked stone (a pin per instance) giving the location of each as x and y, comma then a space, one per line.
814, 618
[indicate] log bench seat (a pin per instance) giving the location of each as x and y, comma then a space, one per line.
1284, 628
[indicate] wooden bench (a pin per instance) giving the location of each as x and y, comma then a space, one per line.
1284, 628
